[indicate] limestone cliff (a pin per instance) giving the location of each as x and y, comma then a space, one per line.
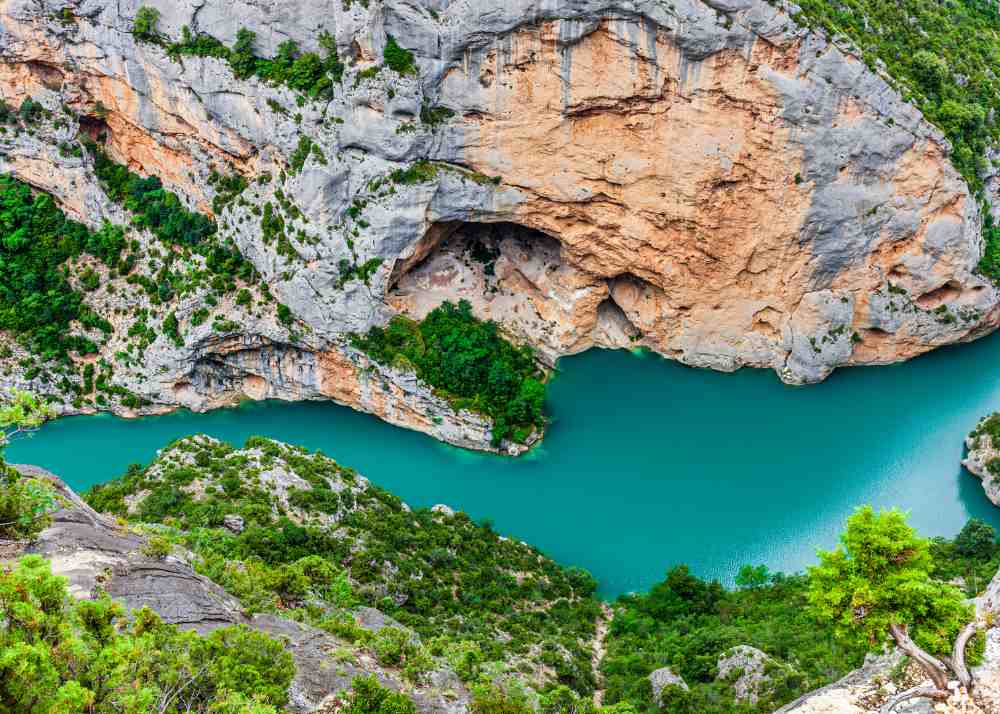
702, 177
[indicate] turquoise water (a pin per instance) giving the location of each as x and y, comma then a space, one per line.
647, 463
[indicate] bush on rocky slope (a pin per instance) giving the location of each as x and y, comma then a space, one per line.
306, 72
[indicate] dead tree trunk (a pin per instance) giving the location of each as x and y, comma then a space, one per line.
934, 667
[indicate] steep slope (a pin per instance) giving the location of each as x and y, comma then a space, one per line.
703, 178
98, 555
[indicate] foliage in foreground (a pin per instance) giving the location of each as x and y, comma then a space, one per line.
878, 584
879, 576
941, 54
25, 503
469, 362
59, 654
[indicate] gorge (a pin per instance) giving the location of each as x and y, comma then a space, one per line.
647, 464
626, 308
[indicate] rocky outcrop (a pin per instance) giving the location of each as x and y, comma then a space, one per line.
702, 178
747, 669
983, 457
663, 678
97, 554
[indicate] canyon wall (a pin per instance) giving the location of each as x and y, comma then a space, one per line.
702, 178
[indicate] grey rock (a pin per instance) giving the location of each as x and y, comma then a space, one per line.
747, 667
981, 452
233, 523
662, 678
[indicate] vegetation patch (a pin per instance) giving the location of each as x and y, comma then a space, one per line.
306, 72
38, 303
469, 363
59, 654
399, 60
163, 213
806, 623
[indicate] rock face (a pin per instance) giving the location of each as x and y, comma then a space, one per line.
747, 668
702, 178
983, 457
662, 678
93, 552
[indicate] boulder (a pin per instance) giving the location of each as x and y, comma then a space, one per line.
662, 678
746, 667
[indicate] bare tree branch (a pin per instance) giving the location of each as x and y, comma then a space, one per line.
913, 693
934, 667
958, 665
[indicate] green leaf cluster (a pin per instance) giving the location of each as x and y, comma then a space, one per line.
881, 574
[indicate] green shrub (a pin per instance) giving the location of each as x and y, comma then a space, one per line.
25, 504
976, 540
144, 26
171, 329
367, 696
397, 59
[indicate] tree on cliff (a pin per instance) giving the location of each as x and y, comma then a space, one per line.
877, 585
25, 503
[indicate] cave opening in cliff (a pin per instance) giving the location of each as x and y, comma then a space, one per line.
459, 260
95, 127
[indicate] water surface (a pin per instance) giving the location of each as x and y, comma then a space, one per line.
647, 463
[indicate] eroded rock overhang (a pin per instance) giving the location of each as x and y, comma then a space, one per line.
706, 180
